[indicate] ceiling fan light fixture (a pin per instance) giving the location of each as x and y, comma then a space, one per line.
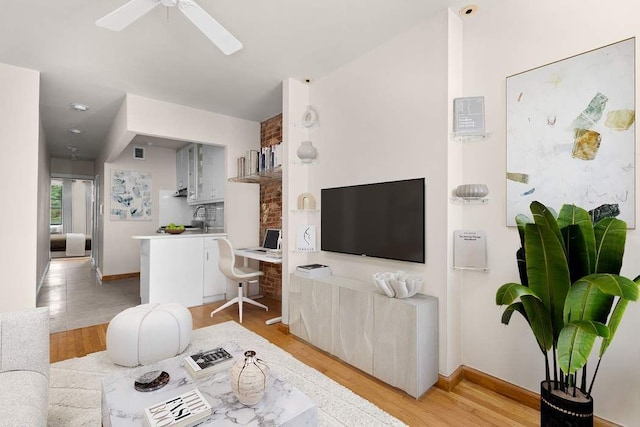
133, 10
78, 106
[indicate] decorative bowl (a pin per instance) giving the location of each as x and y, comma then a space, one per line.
398, 284
174, 230
472, 190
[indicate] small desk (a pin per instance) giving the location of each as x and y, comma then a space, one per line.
253, 254
247, 254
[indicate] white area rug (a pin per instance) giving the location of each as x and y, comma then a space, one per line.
74, 398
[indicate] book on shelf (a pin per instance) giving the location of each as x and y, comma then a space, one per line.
184, 410
312, 271
208, 362
310, 267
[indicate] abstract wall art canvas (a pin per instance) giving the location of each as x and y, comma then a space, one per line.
571, 134
130, 196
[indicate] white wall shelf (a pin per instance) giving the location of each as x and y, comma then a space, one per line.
486, 270
470, 137
300, 162
470, 200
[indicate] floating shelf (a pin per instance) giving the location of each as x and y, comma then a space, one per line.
486, 270
305, 210
470, 200
469, 137
300, 162
274, 175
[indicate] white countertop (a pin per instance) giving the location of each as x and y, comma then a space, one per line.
186, 234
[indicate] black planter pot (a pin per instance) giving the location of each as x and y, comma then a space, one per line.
558, 409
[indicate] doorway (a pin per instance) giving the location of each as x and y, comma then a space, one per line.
72, 217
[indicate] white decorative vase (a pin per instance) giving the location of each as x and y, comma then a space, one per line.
249, 378
306, 152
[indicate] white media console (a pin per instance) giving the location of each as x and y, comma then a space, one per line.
395, 340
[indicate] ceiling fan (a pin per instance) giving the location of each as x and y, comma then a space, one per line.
135, 9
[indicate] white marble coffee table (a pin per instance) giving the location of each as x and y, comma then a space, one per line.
283, 404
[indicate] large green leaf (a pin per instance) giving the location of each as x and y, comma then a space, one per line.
613, 284
585, 301
575, 343
508, 312
611, 234
614, 322
547, 270
509, 292
539, 320
576, 251
545, 217
522, 266
574, 215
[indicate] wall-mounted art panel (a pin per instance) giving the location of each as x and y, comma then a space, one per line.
130, 196
571, 134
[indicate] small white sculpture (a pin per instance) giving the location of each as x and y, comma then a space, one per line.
398, 284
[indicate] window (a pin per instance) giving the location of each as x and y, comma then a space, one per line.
56, 203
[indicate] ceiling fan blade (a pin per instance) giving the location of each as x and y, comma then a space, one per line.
210, 27
126, 14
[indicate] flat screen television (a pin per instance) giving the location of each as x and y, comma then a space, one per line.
381, 220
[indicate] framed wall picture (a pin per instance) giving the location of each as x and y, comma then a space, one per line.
571, 134
130, 196
306, 238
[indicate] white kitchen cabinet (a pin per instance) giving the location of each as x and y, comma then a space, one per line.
192, 173
181, 268
215, 283
211, 173
172, 270
182, 168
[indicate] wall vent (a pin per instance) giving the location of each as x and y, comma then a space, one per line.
138, 153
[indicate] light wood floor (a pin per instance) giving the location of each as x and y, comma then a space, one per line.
467, 405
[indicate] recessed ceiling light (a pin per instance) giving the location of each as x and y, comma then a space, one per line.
79, 107
468, 10
75, 130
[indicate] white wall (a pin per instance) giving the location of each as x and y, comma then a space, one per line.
20, 142
44, 209
295, 179
145, 116
67, 168
121, 253
502, 39
383, 117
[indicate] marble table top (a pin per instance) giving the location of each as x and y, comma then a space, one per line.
282, 404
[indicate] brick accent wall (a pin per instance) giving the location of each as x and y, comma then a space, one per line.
271, 210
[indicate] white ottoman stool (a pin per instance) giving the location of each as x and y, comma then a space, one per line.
148, 333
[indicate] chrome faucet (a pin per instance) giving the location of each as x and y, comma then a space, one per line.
195, 212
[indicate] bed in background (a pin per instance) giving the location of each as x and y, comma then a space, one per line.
58, 245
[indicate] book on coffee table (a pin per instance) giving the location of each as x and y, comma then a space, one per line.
184, 410
208, 362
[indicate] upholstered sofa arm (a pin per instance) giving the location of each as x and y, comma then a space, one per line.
24, 341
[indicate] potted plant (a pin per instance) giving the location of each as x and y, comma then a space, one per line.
571, 292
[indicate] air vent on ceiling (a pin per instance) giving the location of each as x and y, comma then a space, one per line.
138, 153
